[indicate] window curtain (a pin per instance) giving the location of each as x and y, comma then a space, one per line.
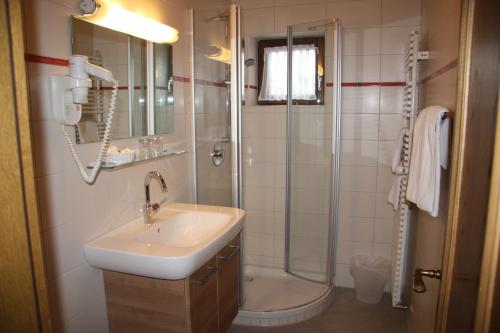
274, 84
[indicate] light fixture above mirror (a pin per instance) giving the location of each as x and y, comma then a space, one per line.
112, 16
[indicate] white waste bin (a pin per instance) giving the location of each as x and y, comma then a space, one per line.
370, 276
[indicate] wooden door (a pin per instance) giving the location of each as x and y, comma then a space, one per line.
479, 78
23, 293
203, 299
228, 283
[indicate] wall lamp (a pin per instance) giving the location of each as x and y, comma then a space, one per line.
112, 16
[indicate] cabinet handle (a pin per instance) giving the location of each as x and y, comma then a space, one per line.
211, 272
235, 248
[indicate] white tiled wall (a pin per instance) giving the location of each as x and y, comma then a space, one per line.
73, 212
375, 32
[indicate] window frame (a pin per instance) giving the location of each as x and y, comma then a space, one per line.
319, 42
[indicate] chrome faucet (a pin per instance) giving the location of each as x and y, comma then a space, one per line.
149, 209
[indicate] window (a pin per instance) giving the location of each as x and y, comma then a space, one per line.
307, 73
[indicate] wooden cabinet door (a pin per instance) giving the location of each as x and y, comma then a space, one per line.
203, 299
228, 283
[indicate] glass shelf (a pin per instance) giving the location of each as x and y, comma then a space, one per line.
165, 154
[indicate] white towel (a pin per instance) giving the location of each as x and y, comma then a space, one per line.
429, 154
396, 158
393, 197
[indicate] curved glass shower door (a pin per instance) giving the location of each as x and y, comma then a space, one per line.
311, 145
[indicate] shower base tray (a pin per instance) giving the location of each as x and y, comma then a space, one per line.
276, 298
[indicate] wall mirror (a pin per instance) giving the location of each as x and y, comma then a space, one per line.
137, 64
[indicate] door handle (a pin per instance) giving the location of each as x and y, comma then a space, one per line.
418, 281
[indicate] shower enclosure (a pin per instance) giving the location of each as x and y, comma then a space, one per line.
281, 161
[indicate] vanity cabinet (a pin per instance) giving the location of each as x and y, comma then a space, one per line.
228, 261
205, 302
203, 298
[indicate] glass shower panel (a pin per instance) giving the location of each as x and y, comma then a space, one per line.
163, 93
309, 154
138, 84
212, 106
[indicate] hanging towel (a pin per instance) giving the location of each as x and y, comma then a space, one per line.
394, 193
396, 158
429, 153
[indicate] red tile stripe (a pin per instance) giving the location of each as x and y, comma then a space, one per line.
135, 88
45, 60
369, 84
449, 66
209, 83
181, 79
63, 62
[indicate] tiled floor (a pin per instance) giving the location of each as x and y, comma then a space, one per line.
344, 315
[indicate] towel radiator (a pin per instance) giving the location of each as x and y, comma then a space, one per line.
401, 282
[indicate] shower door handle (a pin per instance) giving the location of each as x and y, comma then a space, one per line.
418, 281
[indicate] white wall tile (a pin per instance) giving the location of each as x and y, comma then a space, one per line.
309, 176
383, 231
259, 222
348, 249
391, 99
279, 175
360, 126
363, 13
394, 39
258, 21
297, 2
258, 124
385, 179
360, 99
93, 320
390, 126
258, 174
290, 15
359, 152
48, 28
361, 41
249, 4
259, 198
355, 178
382, 208
383, 250
386, 152
400, 12
357, 204
361, 68
261, 245
356, 229
343, 276
39, 98
391, 68
79, 290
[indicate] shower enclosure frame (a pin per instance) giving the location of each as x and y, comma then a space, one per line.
317, 303
335, 153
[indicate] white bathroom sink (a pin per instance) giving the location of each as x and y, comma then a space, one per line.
181, 239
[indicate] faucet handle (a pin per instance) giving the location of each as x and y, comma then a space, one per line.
155, 207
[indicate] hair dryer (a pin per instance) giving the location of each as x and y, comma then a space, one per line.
67, 95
